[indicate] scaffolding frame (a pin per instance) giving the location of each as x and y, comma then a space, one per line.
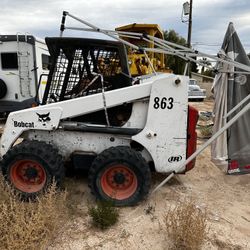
187, 54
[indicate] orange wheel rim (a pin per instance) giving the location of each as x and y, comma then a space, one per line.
119, 182
28, 176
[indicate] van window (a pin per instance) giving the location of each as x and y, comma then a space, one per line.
192, 82
9, 60
45, 62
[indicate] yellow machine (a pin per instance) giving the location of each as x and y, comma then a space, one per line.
138, 62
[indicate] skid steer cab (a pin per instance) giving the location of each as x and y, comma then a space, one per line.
94, 114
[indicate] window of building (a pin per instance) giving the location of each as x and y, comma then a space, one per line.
45, 62
9, 60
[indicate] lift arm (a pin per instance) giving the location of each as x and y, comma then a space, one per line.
48, 117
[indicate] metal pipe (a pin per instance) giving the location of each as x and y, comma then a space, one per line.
103, 31
237, 106
151, 65
189, 54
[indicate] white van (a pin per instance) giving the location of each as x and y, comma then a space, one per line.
195, 92
24, 61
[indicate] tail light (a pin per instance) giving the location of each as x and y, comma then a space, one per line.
191, 135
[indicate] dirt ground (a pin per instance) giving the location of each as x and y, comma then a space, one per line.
225, 198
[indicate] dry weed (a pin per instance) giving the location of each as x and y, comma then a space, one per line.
30, 225
203, 118
186, 226
207, 131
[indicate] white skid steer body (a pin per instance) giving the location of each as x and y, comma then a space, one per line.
159, 121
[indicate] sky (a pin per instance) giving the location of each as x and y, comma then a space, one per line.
210, 17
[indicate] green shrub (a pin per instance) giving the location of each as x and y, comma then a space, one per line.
104, 214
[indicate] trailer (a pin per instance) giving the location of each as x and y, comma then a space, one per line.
24, 62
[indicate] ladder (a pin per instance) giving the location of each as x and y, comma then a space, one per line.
23, 56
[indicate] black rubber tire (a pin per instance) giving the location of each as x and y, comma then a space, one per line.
3, 89
43, 154
133, 161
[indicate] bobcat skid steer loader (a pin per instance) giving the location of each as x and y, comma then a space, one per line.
94, 114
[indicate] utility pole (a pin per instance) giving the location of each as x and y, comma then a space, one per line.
190, 24
187, 11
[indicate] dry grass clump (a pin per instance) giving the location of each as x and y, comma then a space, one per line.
186, 226
104, 214
204, 118
207, 131
30, 225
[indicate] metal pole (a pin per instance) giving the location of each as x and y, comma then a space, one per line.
189, 34
103, 31
190, 24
